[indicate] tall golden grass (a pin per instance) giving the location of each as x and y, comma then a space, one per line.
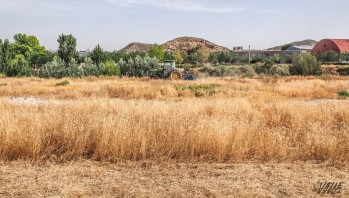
236, 120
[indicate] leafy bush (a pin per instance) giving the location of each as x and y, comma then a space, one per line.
58, 69
89, 68
247, 71
329, 57
138, 66
343, 71
279, 70
305, 64
343, 94
223, 71
74, 70
258, 68
54, 69
109, 68
2, 75
268, 63
19, 67
274, 70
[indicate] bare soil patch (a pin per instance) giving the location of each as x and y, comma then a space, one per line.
146, 179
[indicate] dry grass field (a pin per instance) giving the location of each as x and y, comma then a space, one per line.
292, 130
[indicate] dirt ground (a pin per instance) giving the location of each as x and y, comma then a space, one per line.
148, 179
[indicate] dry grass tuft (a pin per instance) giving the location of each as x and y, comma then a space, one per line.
228, 137
212, 120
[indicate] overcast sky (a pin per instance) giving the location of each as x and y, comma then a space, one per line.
115, 23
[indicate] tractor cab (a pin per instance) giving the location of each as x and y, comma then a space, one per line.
168, 65
167, 70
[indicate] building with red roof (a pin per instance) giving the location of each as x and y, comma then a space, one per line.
337, 45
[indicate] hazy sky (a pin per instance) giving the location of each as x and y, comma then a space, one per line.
115, 23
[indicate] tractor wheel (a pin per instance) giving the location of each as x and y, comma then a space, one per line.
175, 75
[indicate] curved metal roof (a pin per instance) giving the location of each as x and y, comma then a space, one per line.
343, 44
337, 45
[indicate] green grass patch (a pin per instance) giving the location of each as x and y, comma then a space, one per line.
344, 94
62, 83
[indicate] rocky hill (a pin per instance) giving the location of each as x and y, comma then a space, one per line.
179, 44
136, 47
296, 43
187, 43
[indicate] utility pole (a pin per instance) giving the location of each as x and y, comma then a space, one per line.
249, 55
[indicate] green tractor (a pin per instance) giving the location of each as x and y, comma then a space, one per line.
168, 70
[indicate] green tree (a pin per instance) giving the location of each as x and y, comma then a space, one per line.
224, 57
203, 55
330, 56
168, 56
5, 56
67, 48
116, 56
98, 56
38, 60
267, 65
110, 68
19, 67
157, 51
179, 57
213, 58
54, 69
26, 46
305, 64
344, 56
89, 68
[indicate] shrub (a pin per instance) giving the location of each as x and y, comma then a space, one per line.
138, 66
54, 69
329, 57
280, 70
305, 64
58, 69
343, 94
258, 68
89, 68
19, 67
343, 71
74, 70
268, 63
247, 71
2, 75
109, 68
225, 71
63, 83
208, 68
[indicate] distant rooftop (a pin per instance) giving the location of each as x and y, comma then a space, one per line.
300, 47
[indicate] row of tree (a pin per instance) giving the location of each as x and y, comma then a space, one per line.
26, 57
